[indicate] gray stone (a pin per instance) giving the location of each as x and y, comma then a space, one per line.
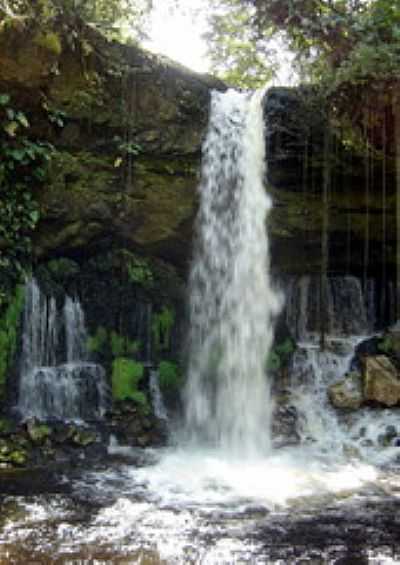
347, 393
381, 381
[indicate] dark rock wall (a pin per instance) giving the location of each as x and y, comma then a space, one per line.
127, 129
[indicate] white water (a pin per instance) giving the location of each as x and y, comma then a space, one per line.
232, 303
56, 380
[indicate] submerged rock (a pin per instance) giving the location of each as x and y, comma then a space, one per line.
347, 393
381, 380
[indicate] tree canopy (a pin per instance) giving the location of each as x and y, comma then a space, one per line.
111, 16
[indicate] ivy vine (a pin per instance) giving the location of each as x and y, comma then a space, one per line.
23, 168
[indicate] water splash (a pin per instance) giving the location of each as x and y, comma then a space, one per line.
232, 303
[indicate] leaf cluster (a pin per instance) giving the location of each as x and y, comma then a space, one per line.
110, 16
23, 167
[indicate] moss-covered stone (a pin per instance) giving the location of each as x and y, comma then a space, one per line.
38, 433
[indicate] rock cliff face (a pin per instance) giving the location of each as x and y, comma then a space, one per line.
326, 193
127, 127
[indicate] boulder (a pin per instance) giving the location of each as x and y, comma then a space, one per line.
381, 381
347, 393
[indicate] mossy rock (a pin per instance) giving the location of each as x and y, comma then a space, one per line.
83, 438
12, 454
38, 433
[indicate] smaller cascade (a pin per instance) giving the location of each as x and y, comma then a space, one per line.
40, 336
349, 318
75, 330
313, 371
160, 410
57, 382
341, 312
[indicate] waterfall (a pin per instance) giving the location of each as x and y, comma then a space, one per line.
345, 309
56, 380
40, 337
75, 330
232, 303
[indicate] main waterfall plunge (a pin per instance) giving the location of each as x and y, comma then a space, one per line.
232, 303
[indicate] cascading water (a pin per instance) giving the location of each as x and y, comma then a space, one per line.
343, 308
75, 330
349, 319
232, 303
56, 380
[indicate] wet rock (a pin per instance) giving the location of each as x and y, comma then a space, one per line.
83, 438
347, 393
284, 426
11, 455
38, 433
381, 380
388, 438
63, 433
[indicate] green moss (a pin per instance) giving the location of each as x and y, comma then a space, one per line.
49, 41
138, 269
62, 268
8, 334
38, 433
162, 326
121, 345
385, 344
169, 376
97, 342
280, 355
126, 376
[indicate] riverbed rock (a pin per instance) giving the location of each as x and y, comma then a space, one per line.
381, 382
347, 393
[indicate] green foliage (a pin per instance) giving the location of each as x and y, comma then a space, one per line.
161, 326
170, 378
9, 334
112, 17
49, 41
139, 271
62, 268
121, 345
126, 376
23, 166
274, 362
279, 356
386, 344
118, 345
238, 55
97, 342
